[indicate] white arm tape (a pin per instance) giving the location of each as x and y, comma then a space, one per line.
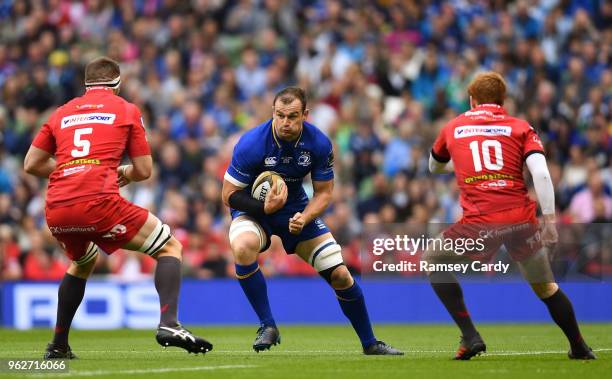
536, 163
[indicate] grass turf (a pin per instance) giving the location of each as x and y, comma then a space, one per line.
526, 351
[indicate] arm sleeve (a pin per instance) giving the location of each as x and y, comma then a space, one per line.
45, 140
536, 163
137, 143
436, 167
241, 171
532, 143
323, 166
439, 151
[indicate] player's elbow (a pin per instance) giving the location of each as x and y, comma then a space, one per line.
142, 168
432, 168
542, 176
29, 165
435, 167
226, 192
325, 198
141, 174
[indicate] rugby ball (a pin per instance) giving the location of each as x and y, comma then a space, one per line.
264, 182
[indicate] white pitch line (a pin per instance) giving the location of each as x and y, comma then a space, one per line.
536, 352
140, 371
313, 352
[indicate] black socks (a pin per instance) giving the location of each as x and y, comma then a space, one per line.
448, 290
69, 297
167, 284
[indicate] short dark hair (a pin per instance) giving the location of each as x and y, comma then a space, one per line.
488, 88
101, 71
289, 94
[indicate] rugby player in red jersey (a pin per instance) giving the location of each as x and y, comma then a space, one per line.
486, 148
79, 149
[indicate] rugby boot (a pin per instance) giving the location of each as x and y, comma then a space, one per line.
470, 347
266, 337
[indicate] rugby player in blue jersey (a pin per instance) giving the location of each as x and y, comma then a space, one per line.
294, 148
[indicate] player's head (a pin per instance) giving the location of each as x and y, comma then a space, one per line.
487, 88
289, 112
104, 72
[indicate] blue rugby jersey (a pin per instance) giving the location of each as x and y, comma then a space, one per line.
260, 150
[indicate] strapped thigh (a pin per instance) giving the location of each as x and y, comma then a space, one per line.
156, 240
90, 253
247, 225
325, 255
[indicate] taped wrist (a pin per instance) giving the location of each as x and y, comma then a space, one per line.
242, 201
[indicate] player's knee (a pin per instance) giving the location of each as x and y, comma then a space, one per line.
247, 239
245, 248
341, 278
172, 248
544, 290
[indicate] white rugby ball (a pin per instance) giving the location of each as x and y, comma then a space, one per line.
264, 182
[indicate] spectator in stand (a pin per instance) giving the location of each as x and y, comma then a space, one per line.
202, 72
40, 263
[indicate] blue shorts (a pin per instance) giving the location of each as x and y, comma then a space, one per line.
278, 224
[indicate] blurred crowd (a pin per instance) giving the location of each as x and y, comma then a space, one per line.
383, 76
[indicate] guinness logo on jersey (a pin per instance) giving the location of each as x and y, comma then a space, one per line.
286, 160
270, 161
304, 159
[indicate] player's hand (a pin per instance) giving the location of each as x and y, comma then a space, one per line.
296, 223
549, 235
275, 199
122, 179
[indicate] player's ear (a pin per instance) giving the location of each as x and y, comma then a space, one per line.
305, 113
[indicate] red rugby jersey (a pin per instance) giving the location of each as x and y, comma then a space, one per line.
488, 149
88, 137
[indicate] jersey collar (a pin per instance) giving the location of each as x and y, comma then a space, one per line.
278, 140
97, 88
495, 108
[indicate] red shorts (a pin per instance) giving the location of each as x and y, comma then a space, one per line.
517, 229
110, 222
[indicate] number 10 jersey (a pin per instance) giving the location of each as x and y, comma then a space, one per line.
488, 149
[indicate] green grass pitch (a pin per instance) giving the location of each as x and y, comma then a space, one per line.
514, 351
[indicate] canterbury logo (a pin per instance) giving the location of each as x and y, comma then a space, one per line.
180, 333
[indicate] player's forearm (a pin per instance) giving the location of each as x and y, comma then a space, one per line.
536, 163
243, 201
316, 206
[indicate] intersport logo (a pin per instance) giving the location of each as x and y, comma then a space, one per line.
481, 130
88, 118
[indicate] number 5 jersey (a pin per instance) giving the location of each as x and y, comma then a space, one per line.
88, 137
